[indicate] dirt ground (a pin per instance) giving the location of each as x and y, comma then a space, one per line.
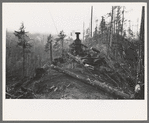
55, 85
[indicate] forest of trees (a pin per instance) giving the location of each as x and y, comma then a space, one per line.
115, 39
25, 51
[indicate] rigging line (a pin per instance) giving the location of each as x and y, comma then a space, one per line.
53, 22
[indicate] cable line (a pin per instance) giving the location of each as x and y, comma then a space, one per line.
53, 22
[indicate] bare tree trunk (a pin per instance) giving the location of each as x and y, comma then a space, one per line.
23, 60
140, 71
114, 25
91, 19
51, 57
83, 31
62, 47
122, 22
28, 65
117, 32
111, 29
15, 61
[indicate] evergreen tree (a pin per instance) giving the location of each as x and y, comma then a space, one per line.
61, 38
95, 36
48, 46
23, 42
102, 27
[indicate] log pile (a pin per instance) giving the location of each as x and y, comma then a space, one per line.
112, 73
112, 90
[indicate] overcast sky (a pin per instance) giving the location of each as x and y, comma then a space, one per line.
41, 17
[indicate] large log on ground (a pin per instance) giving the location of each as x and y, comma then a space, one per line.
105, 71
114, 91
94, 49
76, 58
80, 61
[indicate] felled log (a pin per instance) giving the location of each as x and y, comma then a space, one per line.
114, 91
112, 67
90, 58
80, 61
76, 58
118, 75
95, 50
92, 48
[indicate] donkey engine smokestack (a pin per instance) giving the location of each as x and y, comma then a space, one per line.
77, 41
77, 35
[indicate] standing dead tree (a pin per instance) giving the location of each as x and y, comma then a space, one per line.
111, 31
140, 71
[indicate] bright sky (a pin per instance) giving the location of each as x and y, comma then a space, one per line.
37, 17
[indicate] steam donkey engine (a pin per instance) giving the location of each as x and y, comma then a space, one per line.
76, 48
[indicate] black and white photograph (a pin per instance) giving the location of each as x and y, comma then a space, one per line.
74, 51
